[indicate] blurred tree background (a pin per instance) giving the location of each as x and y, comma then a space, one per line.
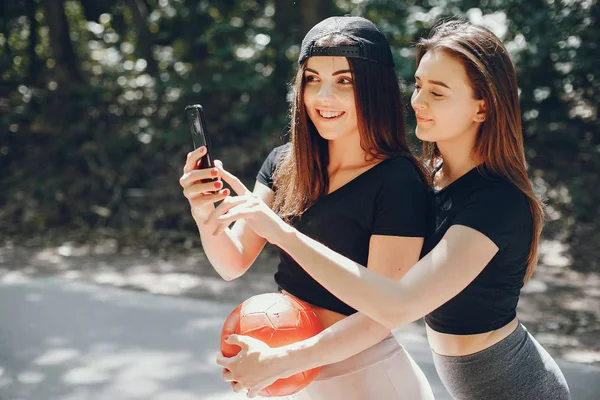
92, 92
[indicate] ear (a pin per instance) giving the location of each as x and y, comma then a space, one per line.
481, 112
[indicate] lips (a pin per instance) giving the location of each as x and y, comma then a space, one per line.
423, 119
330, 114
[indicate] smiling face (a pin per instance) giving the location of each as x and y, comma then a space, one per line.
443, 100
329, 97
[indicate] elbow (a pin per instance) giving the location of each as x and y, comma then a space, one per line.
229, 273
394, 317
229, 277
230, 268
401, 307
391, 324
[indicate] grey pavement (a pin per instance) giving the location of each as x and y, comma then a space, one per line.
70, 341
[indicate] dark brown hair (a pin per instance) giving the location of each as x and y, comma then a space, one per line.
301, 176
499, 143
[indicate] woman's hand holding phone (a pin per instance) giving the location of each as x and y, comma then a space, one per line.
202, 187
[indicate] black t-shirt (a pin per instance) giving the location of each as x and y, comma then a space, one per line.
499, 210
390, 199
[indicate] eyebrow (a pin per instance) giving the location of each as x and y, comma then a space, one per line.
342, 71
439, 83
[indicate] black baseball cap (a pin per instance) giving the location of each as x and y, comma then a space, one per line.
371, 43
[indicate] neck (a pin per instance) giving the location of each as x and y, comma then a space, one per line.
457, 156
345, 153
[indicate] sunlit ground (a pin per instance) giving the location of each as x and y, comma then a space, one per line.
73, 341
85, 342
561, 306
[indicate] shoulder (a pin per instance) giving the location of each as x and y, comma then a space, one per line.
495, 207
499, 192
401, 199
399, 180
278, 152
401, 170
275, 157
266, 172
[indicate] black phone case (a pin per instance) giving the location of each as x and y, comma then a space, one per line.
200, 137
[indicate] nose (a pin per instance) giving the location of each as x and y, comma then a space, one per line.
325, 93
416, 101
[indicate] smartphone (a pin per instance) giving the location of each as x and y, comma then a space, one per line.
195, 116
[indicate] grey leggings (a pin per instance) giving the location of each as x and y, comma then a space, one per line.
516, 368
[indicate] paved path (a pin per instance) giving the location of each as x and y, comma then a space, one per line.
66, 340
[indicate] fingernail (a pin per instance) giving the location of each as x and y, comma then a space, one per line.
202, 149
218, 184
214, 172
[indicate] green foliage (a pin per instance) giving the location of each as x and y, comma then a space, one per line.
93, 144
554, 47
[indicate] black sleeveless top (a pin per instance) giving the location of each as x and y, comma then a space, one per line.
391, 199
499, 210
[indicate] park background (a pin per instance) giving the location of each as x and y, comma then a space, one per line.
93, 136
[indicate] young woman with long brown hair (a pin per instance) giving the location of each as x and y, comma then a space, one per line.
348, 180
480, 253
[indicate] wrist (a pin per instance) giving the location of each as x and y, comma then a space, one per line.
296, 358
285, 236
283, 361
200, 214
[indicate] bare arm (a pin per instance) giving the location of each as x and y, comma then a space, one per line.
257, 366
340, 341
389, 257
458, 258
234, 250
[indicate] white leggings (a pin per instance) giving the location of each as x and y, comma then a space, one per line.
383, 372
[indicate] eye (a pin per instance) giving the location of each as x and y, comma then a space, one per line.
310, 78
417, 87
436, 94
345, 81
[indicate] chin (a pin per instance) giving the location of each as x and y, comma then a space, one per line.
427, 135
422, 135
330, 135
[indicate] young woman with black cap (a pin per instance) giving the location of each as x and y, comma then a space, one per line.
348, 180
487, 229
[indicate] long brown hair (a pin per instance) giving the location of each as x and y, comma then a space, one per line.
499, 142
301, 176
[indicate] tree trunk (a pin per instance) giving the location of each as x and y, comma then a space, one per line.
6, 61
34, 62
288, 33
313, 11
140, 12
66, 67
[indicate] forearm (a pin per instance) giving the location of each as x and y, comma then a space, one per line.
455, 262
338, 342
225, 251
379, 297
231, 251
